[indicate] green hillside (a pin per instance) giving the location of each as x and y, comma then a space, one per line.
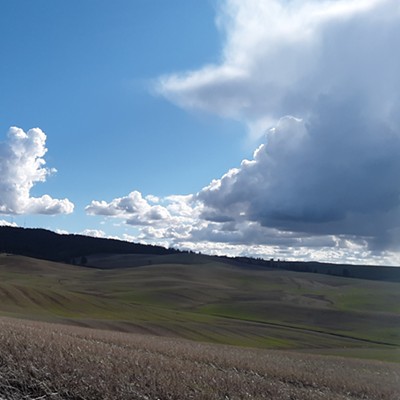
175, 295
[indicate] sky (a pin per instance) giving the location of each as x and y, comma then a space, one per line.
266, 128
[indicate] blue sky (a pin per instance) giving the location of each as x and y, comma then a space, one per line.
83, 72
147, 110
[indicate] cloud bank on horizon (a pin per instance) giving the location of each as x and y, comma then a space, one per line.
319, 81
21, 167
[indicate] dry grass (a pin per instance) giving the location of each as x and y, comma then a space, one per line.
49, 361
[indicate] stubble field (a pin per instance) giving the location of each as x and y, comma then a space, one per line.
48, 361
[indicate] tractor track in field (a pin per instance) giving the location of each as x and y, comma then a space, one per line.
307, 330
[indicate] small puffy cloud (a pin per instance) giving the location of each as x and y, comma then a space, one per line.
6, 223
132, 204
62, 232
134, 207
22, 165
152, 199
97, 233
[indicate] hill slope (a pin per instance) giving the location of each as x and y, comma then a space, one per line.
213, 302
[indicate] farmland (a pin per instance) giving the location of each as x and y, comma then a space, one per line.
192, 298
48, 361
181, 326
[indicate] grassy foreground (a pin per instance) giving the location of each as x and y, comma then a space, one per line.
49, 361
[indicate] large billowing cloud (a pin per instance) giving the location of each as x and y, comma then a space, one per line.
332, 165
301, 181
22, 166
319, 81
286, 57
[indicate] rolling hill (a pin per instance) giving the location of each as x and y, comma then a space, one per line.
203, 300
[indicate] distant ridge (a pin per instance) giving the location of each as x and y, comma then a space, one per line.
74, 249
48, 245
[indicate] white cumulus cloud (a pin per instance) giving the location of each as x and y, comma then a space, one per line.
97, 233
22, 165
7, 223
136, 209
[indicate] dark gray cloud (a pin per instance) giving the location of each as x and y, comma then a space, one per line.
317, 179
